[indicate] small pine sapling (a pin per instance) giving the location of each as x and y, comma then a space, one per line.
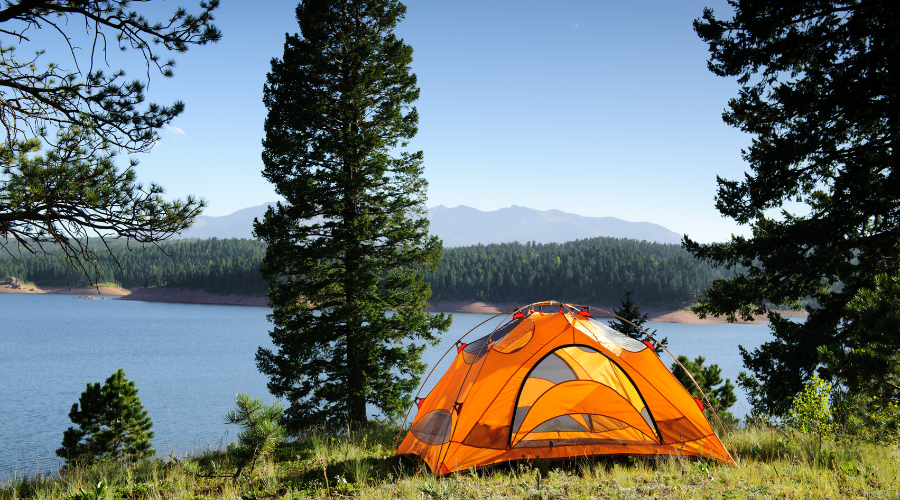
262, 431
112, 424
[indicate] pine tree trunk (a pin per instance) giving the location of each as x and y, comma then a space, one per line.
356, 380
356, 342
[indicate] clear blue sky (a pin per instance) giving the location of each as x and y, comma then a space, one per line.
592, 107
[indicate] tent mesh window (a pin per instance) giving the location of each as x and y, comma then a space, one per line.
506, 339
433, 428
568, 398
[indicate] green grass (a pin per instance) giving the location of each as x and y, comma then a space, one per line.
22, 283
109, 284
772, 464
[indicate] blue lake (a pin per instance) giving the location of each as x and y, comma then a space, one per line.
188, 361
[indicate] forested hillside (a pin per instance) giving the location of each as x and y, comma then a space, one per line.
217, 266
595, 270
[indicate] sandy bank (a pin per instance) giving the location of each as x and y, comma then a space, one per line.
81, 290
468, 306
193, 297
682, 316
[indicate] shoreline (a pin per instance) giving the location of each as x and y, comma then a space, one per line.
653, 314
171, 295
77, 290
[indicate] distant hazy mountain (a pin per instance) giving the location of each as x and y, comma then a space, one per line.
235, 225
462, 226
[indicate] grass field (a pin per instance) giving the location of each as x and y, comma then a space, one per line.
772, 464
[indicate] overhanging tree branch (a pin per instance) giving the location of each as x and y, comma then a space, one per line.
58, 180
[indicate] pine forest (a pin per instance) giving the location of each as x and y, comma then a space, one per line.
213, 265
594, 271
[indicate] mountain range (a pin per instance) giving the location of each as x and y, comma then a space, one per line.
463, 226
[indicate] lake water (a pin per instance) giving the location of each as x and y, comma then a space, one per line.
188, 361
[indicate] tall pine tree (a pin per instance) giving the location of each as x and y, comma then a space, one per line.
821, 98
347, 247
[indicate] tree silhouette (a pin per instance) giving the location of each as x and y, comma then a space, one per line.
633, 324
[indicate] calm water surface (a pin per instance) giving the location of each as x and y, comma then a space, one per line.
188, 361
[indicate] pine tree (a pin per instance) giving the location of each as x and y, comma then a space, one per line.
112, 424
820, 98
871, 365
262, 431
351, 239
719, 394
633, 324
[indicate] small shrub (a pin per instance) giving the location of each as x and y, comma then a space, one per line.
810, 412
868, 417
97, 492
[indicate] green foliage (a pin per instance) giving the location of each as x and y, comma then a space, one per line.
592, 270
632, 321
759, 409
814, 97
218, 266
720, 394
810, 412
865, 416
869, 361
262, 431
65, 123
350, 239
97, 492
111, 424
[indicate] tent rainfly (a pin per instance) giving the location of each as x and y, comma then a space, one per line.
554, 385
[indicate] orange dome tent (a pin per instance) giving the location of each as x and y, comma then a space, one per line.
556, 384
